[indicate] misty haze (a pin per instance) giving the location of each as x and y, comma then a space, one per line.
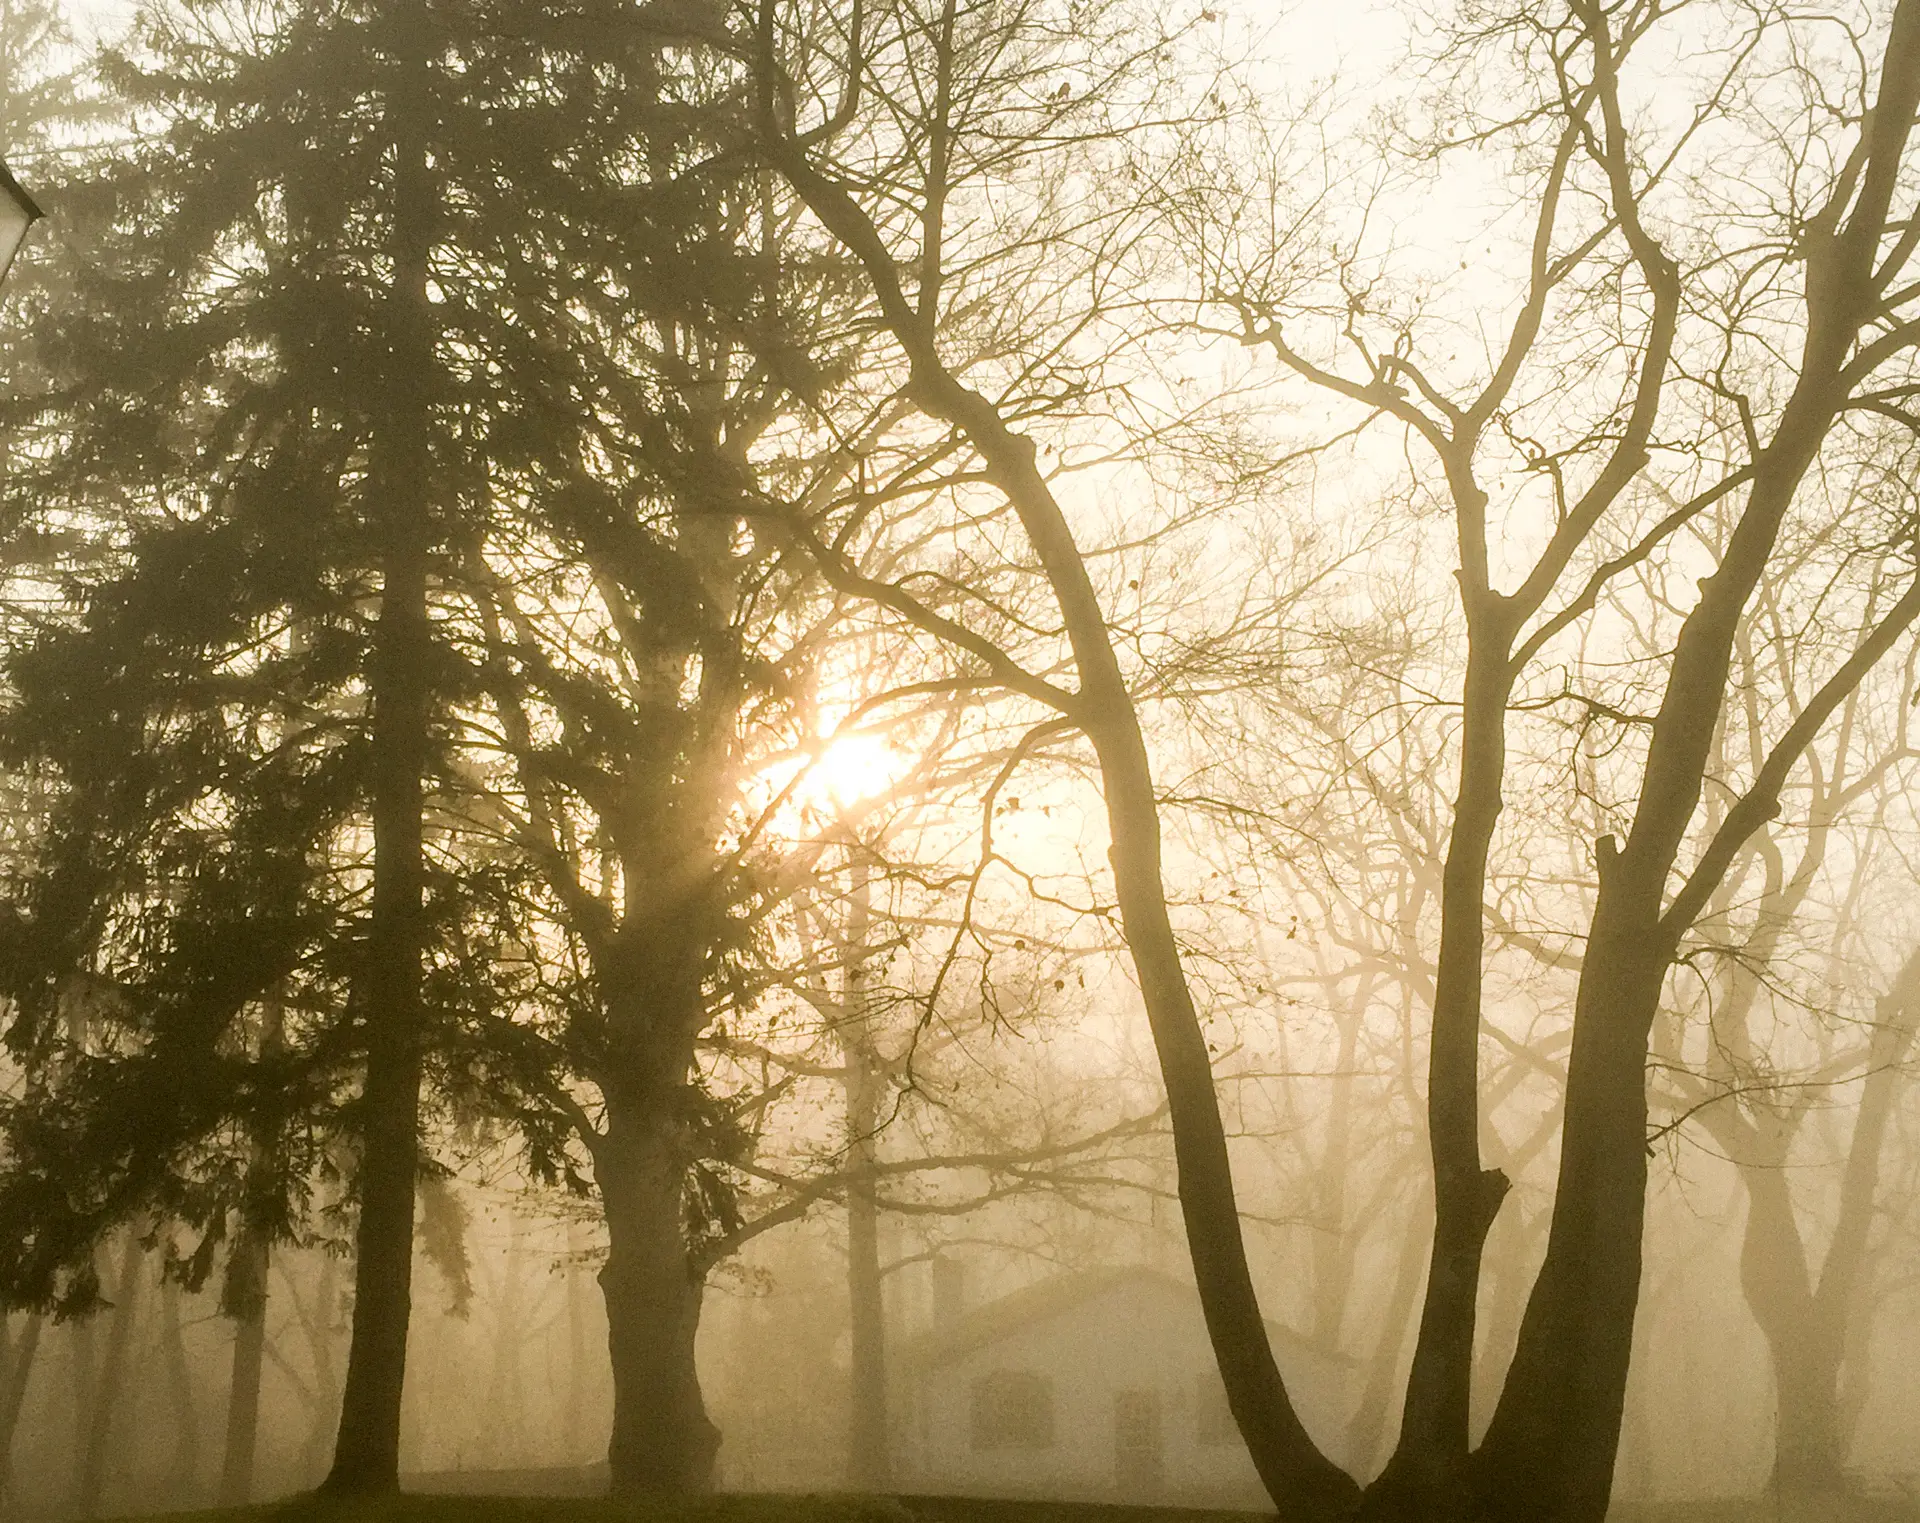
960, 761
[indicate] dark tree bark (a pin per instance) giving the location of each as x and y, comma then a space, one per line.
1550, 1450
1429, 1460
367, 1453
1302, 1481
663, 1442
244, 1299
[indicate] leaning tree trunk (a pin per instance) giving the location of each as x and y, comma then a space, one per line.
663, 1442
1302, 1481
367, 1452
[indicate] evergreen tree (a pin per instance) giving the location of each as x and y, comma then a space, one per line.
376, 283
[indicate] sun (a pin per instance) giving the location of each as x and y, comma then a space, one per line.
851, 770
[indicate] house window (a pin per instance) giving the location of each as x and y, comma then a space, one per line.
1217, 1429
1012, 1409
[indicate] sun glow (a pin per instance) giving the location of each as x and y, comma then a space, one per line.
851, 770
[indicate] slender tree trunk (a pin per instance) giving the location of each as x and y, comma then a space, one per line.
244, 1299
367, 1453
1334, 1244
1367, 1432
184, 1472
90, 1479
663, 1442
869, 1453
1426, 1474
869, 1447
13, 1393
500, 1427
247, 1296
1302, 1481
576, 1421
320, 1329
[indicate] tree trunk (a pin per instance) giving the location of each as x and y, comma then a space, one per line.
576, 1422
869, 1454
1806, 1360
247, 1296
1808, 1327
1302, 1481
184, 1471
1368, 1430
13, 1393
869, 1451
90, 1479
663, 1442
1425, 1476
1550, 1448
367, 1452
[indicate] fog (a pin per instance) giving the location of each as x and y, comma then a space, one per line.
1054, 750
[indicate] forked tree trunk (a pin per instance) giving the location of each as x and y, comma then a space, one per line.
1810, 1328
1550, 1450
1774, 1274
663, 1442
367, 1453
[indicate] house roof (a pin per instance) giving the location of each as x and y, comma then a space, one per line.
1041, 1302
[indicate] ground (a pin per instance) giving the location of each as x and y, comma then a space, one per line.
846, 1509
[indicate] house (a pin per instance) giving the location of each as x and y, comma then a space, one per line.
1097, 1387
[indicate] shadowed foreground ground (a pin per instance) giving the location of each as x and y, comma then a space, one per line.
1887, 1508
